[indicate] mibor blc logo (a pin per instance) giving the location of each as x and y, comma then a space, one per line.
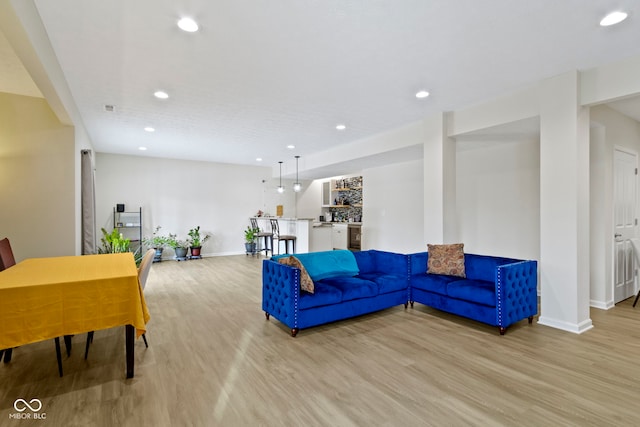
28, 410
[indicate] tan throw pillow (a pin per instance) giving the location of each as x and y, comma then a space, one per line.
306, 284
446, 259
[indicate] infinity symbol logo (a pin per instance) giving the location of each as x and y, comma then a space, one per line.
35, 402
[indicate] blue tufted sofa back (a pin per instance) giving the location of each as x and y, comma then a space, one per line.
477, 267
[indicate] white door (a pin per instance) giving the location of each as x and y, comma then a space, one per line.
624, 211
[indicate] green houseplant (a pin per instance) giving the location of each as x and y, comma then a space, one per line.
196, 240
157, 242
115, 242
180, 247
250, 236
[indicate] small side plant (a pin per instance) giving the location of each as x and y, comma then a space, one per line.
251, 234
173, 242
196, 239
157, 240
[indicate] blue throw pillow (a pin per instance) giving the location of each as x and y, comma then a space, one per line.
323, 265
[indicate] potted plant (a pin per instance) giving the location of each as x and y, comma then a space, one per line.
250, 236
180, 247
115, 242
157, 242
196, 241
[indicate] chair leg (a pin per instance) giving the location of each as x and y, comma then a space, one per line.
144, 337
89, 341
67, 344
636, 300
7, 354
58, 355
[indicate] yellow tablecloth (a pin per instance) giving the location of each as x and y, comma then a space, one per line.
44, 298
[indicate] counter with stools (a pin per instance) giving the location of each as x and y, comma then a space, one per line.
298, 227
266, 236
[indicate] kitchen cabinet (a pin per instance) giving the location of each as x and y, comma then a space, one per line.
339, 236
326, 194
321, 238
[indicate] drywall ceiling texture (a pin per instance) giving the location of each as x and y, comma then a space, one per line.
261, 75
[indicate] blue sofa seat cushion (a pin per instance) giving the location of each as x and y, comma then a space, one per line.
323, 295
386, 282
478, 291
352, 287
436, 283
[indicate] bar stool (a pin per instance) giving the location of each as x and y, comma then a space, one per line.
266, 235
286, 238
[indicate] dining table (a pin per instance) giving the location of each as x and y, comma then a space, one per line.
45, 298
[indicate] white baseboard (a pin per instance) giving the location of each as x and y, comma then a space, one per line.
576, 328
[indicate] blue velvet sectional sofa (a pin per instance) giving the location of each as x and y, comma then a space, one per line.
497, 291
346, 283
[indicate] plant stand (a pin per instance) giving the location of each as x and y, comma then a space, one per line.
157, 257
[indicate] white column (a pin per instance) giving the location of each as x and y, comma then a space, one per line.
439, 182
564, 205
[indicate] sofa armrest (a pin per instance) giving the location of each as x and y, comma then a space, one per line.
281, 292
516, 292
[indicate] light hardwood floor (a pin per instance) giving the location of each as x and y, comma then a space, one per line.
213, 360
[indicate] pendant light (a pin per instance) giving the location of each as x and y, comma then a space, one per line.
280, 187
296, 185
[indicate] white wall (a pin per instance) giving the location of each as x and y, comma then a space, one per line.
393, 208
179, 195
36, 179
309, 200
498, 198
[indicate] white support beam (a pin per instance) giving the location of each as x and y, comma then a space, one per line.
564, 205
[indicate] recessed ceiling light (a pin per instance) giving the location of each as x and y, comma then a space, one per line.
149, 129
422, 94
188, 25
258, 159
341, 127
142, 148
291, 147
613, 18
161, 94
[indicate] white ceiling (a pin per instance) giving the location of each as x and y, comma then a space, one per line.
262, 74
14, 78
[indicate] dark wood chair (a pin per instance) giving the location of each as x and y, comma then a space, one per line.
6, 255
286, 238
